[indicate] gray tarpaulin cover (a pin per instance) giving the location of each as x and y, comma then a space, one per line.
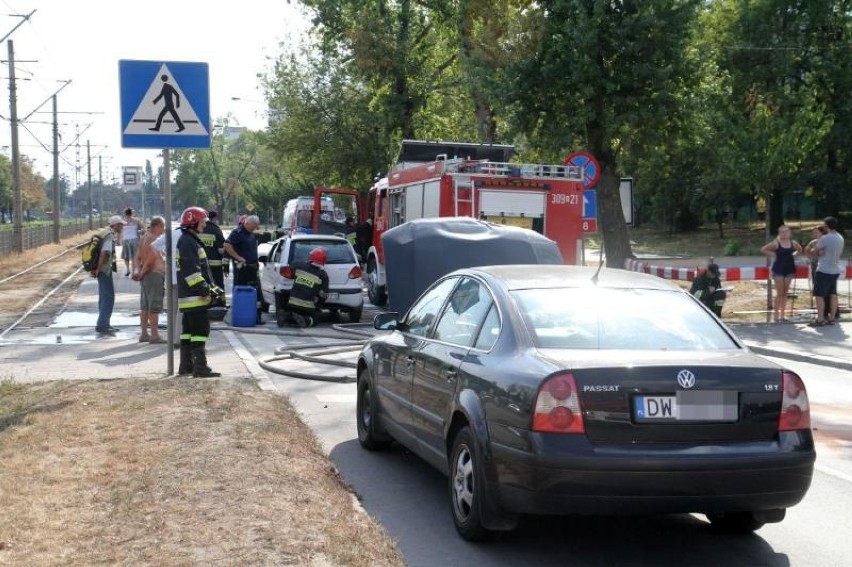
420, 251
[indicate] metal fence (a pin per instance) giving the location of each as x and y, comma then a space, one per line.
41, 234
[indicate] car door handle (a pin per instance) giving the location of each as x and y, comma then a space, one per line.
451, 375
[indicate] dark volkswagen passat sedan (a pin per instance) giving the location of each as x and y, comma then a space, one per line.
560, 390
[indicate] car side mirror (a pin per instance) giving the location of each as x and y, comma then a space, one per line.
387, 321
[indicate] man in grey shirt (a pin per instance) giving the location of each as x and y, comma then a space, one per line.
829, 248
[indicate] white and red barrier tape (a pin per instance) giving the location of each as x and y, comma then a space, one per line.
726, 274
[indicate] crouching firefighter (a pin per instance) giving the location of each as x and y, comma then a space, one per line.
707, 288
310, 288
196, 292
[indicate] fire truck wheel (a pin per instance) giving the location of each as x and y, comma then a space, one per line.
377, 293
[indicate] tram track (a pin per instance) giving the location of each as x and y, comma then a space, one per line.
35, 286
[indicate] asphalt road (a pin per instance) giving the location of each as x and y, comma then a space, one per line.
410, 498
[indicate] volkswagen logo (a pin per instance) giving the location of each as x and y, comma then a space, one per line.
686, 379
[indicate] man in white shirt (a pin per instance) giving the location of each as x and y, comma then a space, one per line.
133, 229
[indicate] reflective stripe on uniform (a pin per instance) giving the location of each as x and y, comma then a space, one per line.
198, 339
215, 263
193, 301
307, 279
194, 279
304, 303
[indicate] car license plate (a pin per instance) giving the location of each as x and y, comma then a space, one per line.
332, 296
722, 406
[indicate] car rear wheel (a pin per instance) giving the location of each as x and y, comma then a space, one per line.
368, 435
377, 293
355, 316
735, 522
466, 487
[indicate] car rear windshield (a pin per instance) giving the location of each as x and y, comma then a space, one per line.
605, 318
338, 252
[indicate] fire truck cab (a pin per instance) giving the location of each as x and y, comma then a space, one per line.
449, 179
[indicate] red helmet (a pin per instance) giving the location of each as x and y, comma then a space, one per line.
318, 256
192, 216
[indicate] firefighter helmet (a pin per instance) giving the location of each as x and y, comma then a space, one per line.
318, 256
192, 216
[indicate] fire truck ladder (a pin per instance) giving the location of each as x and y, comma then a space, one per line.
462, 194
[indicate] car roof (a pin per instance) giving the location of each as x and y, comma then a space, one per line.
330, 238
549, 276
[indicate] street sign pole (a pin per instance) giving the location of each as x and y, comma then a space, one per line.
170, 304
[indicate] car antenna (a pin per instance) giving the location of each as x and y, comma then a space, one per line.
600, 264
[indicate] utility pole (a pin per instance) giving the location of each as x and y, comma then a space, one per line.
56, 204
17, 201
89, 168
101, 188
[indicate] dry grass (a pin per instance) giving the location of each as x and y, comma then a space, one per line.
740, 239
171, 472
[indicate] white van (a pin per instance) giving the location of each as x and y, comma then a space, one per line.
298, 215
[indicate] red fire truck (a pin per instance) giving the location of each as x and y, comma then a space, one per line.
441, 179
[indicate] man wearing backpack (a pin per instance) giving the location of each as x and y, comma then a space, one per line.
103, 273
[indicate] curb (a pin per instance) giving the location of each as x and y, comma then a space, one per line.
817, 359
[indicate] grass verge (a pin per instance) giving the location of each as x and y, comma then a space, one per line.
171, 472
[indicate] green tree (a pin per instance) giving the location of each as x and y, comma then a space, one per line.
604, 76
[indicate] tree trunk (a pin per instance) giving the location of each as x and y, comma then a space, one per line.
616, 241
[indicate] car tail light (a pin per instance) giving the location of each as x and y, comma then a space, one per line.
557, 406
287, 272
355, 273
795, 410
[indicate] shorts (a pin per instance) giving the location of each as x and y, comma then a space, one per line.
825, 284
128, 249
153, 291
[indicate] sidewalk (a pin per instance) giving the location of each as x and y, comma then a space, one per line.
71, 350
828, 346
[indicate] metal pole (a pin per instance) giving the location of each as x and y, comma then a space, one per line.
171, 308
89, 174
56, 203
100, 188
17, 204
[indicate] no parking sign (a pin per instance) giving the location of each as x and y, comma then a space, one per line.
588, 165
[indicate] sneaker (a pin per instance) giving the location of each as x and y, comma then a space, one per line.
127, 273
144, 338
107, 331
817, 323
114, 329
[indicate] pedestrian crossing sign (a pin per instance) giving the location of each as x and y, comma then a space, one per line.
164, 104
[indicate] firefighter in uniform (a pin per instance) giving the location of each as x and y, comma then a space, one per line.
196, 291
310, 288
241, 245
214, 245
707, 288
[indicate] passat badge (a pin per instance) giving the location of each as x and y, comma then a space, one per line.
686, 379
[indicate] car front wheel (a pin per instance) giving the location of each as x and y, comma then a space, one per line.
466, 487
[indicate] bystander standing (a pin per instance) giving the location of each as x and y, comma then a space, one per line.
781, 250
152, 275
828, 249
133, 230
103, 273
